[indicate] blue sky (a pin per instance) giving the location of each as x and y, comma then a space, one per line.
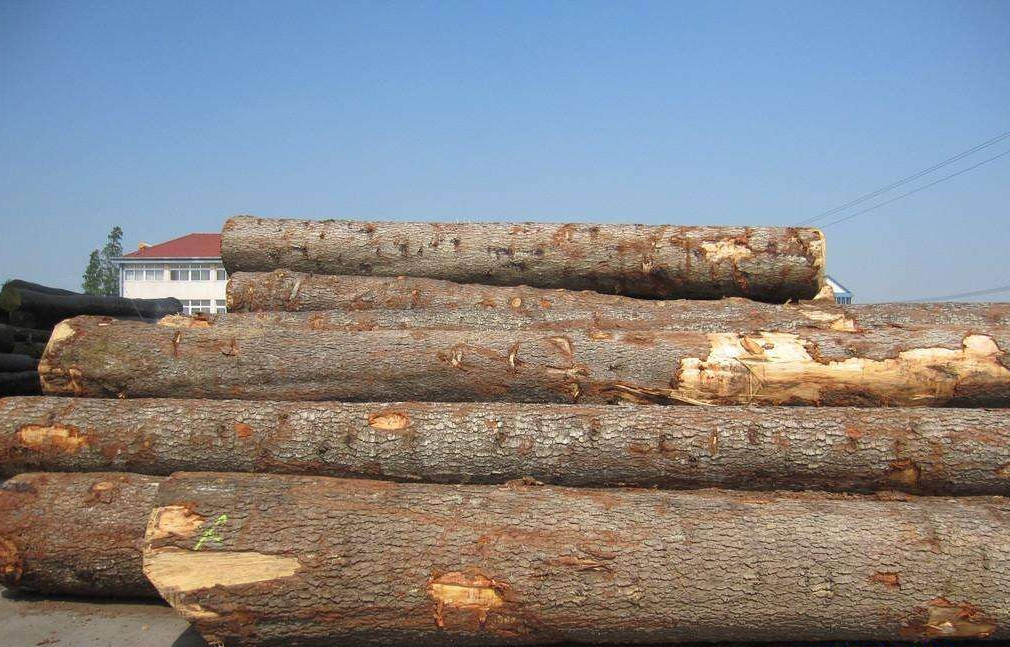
167, 117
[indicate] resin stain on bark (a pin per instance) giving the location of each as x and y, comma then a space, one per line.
51, 438
173, 521
474, 593
945, 619
389, 421
726, 250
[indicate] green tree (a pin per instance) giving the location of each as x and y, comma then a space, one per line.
93, 274
102, 276
110, 273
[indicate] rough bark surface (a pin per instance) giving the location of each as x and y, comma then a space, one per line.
369, 298
92, 356
75, 534
763, 263
936, 451
271, 560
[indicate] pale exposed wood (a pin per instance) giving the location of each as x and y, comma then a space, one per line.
763, 263
355, 562
92, 356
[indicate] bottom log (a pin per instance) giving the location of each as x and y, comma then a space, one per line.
280, 560
75, 534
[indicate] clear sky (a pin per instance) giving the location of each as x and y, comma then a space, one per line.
167, 117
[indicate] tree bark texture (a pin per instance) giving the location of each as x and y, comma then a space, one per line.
465, 304
75, 534
934, 451
92, 356
276, 560
762, 263
51, 308
20, 383
368, 303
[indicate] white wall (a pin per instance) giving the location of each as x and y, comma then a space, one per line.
212, 290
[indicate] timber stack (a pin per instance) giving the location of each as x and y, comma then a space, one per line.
28, 313
469, 434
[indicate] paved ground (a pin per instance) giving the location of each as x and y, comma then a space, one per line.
29, 621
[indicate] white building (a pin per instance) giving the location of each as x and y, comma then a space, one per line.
187, 268
842, 293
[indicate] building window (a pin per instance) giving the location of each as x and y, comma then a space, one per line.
195, 306
190, 274
220, 305
222, 275
141, 273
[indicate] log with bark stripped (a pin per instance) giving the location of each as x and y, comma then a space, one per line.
92, 356
271, 560
75, 534
763, 263
937, 451
370, 298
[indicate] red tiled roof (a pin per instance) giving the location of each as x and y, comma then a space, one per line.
188, 246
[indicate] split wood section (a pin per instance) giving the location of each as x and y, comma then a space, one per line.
101, 357
923, 450
762, 263
260, 560
75, 534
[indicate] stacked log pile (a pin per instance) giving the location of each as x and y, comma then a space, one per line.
434, 433
28, 313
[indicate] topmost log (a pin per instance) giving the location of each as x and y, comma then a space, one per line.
774, 264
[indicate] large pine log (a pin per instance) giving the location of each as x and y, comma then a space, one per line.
75, 534
284, 290
937, 451
50, 308
367, 302
275, 560
92, 356
763, 263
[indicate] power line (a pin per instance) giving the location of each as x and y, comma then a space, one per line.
961, 295
906, 180
921, 188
